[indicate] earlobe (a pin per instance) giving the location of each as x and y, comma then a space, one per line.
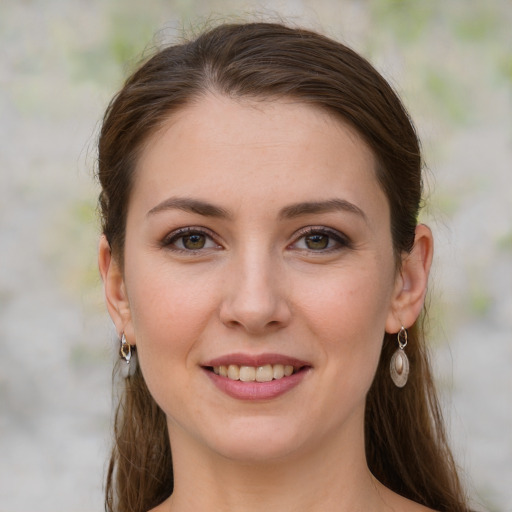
411, 283
114, 287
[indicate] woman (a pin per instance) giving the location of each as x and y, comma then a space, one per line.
261, 253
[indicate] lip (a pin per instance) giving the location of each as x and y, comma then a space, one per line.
256, 391
256, 360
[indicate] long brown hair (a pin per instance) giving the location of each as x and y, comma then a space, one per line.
406, 445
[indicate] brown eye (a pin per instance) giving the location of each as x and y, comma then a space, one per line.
194, 241
321, 239
316, 242
190, 240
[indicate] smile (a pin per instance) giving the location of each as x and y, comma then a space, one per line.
265, 373
263, 377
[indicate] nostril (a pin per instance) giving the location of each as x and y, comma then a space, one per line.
233, 323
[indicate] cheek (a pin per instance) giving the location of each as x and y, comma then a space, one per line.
348, 313
169, 311
354, 297
169, 316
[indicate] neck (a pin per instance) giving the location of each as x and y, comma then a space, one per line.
331, 476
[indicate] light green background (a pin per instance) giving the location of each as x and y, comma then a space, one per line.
61, 61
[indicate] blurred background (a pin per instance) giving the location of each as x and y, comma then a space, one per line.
62, 60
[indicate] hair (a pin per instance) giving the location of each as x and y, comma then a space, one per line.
406, 444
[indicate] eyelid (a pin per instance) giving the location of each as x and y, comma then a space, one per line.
342, 240
173, 236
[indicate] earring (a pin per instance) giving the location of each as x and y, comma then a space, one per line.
129, 354
125, 350
399, 367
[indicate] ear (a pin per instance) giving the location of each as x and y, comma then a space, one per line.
411, 282
115, 291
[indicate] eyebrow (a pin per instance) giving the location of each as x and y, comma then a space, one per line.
190, 205
331, 205
288, 212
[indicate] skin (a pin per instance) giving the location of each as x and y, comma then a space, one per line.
259, 284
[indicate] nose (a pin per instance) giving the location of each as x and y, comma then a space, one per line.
255, 297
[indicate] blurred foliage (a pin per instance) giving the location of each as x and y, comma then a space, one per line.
84, 354
129, 32
504, 242
480, 301
450, 100
444, 203
407, 20
505, 67
418, 30
71, 249
477, 22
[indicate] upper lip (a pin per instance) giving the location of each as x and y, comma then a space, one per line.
255, 360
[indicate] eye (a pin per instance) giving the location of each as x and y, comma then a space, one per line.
317, 241
189, 240
320, 240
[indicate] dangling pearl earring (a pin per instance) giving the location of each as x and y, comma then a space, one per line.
399, 367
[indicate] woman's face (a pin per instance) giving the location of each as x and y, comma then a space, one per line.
257, 240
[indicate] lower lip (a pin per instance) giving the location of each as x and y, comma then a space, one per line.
257, 390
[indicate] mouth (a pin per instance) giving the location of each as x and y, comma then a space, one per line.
256, 378
263, 373
260, 377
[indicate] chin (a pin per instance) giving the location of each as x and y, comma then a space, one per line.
254, 441
256, 451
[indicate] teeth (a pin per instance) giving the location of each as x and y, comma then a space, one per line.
234, 372
279, 371
247, 373
264, 373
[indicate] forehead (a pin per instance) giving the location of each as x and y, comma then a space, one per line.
242, 122
259, 148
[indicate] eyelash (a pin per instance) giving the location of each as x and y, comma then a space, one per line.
341, 241
181, 233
